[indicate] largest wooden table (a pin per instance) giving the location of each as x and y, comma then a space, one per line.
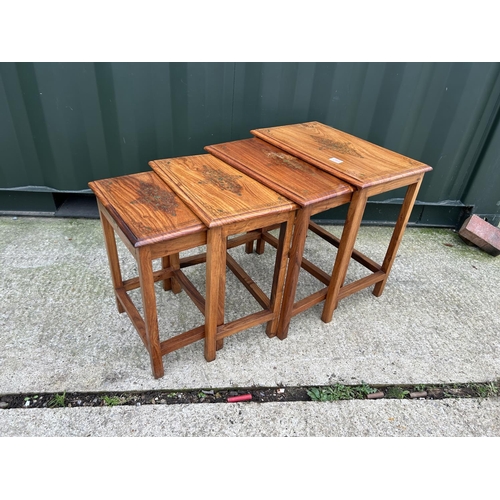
372, 170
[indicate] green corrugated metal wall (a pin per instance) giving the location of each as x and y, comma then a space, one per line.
64, 124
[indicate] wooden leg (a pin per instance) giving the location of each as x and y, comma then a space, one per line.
215, 288
294, 264
347, 241
397, 235
219, 344
260, 245
114, 263
146, 280
165, 264
280, 267
249, 246
173, 262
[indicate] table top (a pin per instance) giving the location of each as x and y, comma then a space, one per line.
145, 208
299, 181
218, 193
350, 158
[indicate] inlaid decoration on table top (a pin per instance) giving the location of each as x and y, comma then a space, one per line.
338, 146
223, 180
218, 193
348, 157
299, 181
158, 198
288, 160
145, 207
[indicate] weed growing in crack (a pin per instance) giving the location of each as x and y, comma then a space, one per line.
58, 401
28, 399
396, 393
365, 389
486, 390
112, 400
339, 392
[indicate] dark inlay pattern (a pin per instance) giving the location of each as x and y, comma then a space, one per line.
222, 180
158, 198
341, 147
289, 161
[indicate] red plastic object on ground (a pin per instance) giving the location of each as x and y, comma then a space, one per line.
236, 399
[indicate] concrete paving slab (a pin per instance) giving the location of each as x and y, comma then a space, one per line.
436, 322
383, 418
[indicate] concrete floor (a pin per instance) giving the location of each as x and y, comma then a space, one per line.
436, 322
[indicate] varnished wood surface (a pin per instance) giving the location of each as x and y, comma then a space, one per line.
350, 158
145, 208
218, 193
294, 178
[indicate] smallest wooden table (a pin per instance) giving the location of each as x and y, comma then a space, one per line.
153, 223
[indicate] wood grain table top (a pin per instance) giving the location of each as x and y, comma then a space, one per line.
350, 158
145, 208
218, 193
299, 181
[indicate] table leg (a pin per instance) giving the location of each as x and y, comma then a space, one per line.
280, 267
146, 281
260, 245
215, 288
219, 344
295, 260
173, 262
347, 241
114, 263
165, 264
397, 235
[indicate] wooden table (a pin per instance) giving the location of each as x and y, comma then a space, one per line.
371, 170
153, 223
310, 187
229, 203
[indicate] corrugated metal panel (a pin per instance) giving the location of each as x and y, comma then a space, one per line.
483, 190
64, 124
434, 112
68, 123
